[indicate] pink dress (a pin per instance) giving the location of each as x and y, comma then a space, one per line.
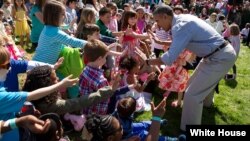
174, 78
130, 43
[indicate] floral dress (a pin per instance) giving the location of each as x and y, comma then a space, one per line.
174, 78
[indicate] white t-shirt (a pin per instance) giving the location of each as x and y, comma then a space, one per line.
235, 42
219, 27
245, 31
219, 5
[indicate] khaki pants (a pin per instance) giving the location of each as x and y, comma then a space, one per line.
201, 84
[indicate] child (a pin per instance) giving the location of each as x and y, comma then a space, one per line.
125, 110
17, 99
2, 28
174, 78
132, 67
22, 29
234, 39
132, 36
7, 41
87, 17
55, 130
52, 39
71, 16
141, 23
113, 25
73, 64
7, 9
105, 17
161, 34
92, 77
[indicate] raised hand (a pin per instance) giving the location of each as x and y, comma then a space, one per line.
116, 78
58, 63
151, 76
159, 110
68, 82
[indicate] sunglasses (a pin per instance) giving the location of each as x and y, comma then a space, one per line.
6, 66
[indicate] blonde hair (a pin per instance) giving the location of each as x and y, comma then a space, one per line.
4, 55
234, 29
86, 14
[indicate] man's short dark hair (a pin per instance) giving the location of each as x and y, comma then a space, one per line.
164, 10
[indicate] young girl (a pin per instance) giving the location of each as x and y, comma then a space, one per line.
6, 40
132, 67
141, 22
52, 40
234, 38
132, 34
113, 25
174, 78
87, 17
22, 29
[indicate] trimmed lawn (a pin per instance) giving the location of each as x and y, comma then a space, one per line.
231, 106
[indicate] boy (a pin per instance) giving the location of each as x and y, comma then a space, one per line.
90, 32
105, 18
125, 110
92, 77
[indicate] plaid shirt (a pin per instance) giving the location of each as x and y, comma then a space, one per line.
91, 80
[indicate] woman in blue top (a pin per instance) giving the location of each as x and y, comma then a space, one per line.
52, 39
36, 16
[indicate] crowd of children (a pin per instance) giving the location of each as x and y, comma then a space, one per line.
98, 44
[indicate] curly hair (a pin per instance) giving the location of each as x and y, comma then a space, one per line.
127, 63
37, 78
100, 126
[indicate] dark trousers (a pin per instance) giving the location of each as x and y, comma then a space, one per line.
248, 39
157, 52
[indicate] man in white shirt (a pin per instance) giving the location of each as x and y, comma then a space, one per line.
244, 32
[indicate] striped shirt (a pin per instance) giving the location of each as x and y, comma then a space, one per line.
162, 35
51, 42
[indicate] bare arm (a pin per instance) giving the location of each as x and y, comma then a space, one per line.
31, 122
42, 92
39, 16
140, 36
157, 111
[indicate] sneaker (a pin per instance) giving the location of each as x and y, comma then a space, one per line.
229, 77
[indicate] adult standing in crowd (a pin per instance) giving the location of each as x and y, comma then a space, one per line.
194, 34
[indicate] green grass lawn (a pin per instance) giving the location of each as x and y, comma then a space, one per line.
231, 106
